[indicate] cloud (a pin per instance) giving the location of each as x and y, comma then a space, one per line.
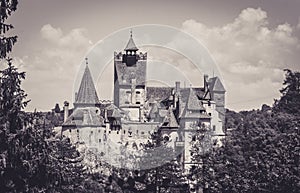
250, 54
52, 69
298, 25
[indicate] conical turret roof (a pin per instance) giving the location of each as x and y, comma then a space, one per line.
131, 45
87, 94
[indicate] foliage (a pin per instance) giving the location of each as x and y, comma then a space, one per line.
261, 154
167, 176
6, 43
290, 99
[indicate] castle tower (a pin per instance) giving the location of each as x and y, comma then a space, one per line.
87, 94
129, 79
217, 92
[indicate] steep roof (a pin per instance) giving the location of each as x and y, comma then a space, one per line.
170, 120
215, 84
89, 116
131, 45
87, 93
158, 93
113, 111
193, 102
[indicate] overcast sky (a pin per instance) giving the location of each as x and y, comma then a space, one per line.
252, 41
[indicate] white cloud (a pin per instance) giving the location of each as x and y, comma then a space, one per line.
250, 54
298, 25
51, 71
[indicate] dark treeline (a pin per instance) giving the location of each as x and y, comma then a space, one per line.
261, 151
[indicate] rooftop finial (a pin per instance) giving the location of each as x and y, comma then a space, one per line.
86, 61
131, 33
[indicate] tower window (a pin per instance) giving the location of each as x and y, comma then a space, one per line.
138, 92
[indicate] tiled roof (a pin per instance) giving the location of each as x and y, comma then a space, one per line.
127, 73
215, 84
170, 120
158, 93
87, 93
113, 111
193, 102
189, 101
131, 45
88, 116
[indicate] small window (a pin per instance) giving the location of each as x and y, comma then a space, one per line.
77, 130
209, 114
142, 132
109, 132
128, 92
138, 103
70, 130
138, 92
91, 132
194, 138
126, 102
214, 128
99, 140
137, 131
124, 131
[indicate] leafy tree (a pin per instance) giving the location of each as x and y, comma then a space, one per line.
261, 155
290, 99
167, 176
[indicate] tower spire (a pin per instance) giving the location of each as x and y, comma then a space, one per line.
86, 61
131, 45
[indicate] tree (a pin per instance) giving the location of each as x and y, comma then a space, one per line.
261, 155
7, 8
290, 99
31, 158
160, 171
56, 108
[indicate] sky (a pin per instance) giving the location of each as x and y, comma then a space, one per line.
251, 42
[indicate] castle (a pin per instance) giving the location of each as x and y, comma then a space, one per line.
138, 110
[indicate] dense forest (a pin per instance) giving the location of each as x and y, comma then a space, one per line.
259, 154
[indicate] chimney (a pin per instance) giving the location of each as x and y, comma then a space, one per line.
177, 86
205, 82
105, 115
66, 110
